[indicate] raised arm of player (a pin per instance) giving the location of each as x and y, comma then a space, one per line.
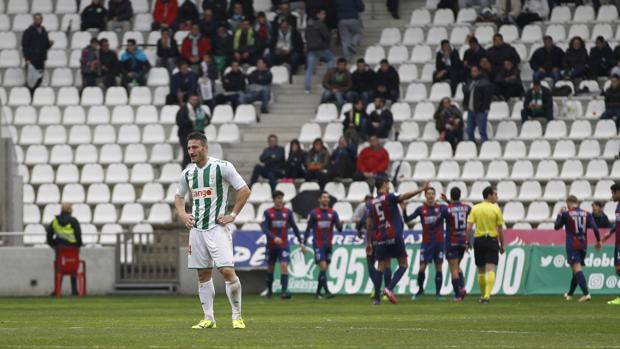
408, 195
592, 224
559, 221
179, 203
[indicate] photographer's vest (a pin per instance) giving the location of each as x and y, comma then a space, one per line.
64, 232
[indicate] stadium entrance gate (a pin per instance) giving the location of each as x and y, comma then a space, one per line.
147, 263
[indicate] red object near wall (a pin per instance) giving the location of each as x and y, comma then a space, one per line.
68, 263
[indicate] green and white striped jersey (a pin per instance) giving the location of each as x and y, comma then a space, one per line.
209, 190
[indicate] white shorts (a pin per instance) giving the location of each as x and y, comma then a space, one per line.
210, 248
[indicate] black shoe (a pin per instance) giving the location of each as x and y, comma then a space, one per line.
269, 295
395, 15
264, 110
329, 295
285, 295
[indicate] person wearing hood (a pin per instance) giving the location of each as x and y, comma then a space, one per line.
65, 231
576, 59
478, 93
601, 59
134, 65
120, 13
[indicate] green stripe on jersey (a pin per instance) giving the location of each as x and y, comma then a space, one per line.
219, 190
207, 212
196, 201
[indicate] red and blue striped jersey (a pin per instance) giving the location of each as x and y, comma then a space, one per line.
576, 222
387, 222
322, 222
617, 226
457, 223
276, 223
433, 218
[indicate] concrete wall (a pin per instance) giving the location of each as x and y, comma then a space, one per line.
28, 271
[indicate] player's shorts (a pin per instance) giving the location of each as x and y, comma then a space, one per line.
455, 252
322, 254
210, 248
278, 254
576, 256
486, 251
384, 250
617, 256
431, 252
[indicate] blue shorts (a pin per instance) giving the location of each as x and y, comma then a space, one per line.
322, 254
277, 253
576, 256
455, 252
617, 256
384, 251
431, 252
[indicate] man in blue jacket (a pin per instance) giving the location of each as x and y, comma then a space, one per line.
273, 160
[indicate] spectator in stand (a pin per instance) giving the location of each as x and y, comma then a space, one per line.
486, 68
388, 82
296, 162
547, 61
120, 13
364, 82
601, 59
478, 93
612, 101
508, 82
355, 123
94, 16
260, 86
164, 14
284, 14
533, 11
273, 163
208, 23
35, 44
244, 44
109, 63
287, 47
576, 59
448, 66
187, 16
234, 86
134, 65
191, 117
449, 122
247, 8
392, 6
349, 25
600, 218
167, 51
236, 17
342, 163
318, 39
263, 33
90, 65
501, 51
218, 7
206, 82
194, 47
373, 161
508, 10
337, 82
222, 48
182, 85
381, 120
538, 103
615, 70
473, 53
317, 163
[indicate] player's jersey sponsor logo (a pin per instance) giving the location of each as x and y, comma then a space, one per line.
324, 224
278, 223
203, 193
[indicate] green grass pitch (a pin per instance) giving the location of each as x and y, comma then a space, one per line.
303, 322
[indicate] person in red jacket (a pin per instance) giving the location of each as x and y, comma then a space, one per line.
165, 14
195, 46
372, 161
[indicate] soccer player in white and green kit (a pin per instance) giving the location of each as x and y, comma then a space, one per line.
210, 241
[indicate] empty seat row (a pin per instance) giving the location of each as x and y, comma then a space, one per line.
102, 134
122, 193
90, 96
102, 214
35, 234
60, 6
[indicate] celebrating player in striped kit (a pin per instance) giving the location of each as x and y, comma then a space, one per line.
210, 241
576, 222
322, 221
615, 195
277, 220
456, 228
